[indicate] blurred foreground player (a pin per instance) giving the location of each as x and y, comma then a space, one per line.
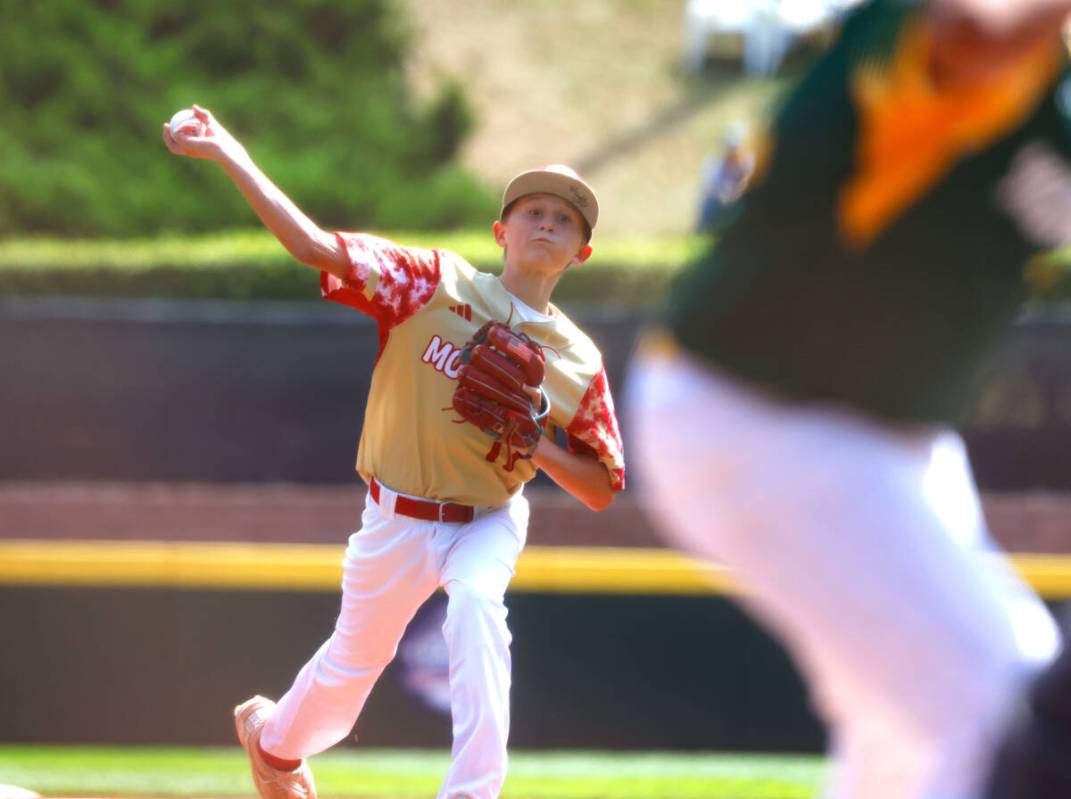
795, 420
1034, 760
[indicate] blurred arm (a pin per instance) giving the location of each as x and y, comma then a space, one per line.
975, 41
1005, 17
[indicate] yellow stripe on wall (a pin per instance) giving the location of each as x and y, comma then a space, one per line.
611, 570
294, 567
171, 564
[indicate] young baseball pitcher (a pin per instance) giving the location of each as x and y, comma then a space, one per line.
471, 369
796, 422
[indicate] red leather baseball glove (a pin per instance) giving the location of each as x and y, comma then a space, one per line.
497, 365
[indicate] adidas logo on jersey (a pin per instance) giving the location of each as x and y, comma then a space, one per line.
464, 311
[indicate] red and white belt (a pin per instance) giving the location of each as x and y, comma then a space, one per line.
425, 509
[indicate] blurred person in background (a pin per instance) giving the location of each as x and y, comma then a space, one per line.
724, 177
795, 418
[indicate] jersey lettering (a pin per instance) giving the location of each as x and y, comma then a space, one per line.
444, 356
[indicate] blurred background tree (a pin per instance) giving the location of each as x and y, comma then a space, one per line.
315, 89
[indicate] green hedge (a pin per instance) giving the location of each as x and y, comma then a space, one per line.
315, 89
252, 265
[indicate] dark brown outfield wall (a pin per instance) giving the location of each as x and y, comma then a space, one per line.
152, 391
157, 666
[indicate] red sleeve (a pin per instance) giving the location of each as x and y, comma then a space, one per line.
403, 279
594, 429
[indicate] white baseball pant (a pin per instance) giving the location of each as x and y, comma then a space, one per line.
392, 565
862, 547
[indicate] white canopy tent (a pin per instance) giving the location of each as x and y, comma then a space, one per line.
766, 27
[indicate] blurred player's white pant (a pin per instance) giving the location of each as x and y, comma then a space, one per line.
863, 548
391, 566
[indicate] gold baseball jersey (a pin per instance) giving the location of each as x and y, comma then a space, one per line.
428, 304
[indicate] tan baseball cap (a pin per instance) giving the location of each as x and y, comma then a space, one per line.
559, 180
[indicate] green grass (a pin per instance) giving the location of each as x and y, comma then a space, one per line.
395, 774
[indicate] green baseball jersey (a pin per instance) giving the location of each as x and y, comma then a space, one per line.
882, 247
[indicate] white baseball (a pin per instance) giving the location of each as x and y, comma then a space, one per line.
187, 122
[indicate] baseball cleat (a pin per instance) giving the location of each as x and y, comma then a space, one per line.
271, 783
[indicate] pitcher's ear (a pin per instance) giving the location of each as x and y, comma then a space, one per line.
499, 231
